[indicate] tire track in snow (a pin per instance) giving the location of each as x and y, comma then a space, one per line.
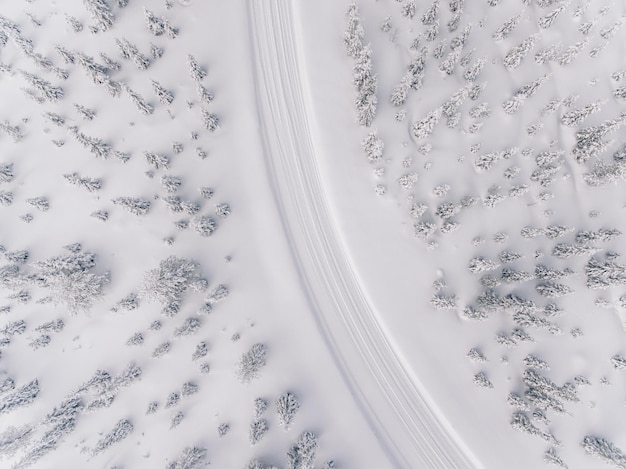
396, 405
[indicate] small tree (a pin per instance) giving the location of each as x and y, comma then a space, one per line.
190, 458
302, 454
121, 430
605, 450
101, 13
165, 96
167, 283
195, 70
135, 205
251, 362
129, 51
211, 121
287, 406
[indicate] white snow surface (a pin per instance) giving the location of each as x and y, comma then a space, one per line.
323, 270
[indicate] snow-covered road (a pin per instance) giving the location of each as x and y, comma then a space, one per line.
399, 410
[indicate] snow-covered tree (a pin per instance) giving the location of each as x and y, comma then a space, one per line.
70, 280
373, 147
129, 51
195, 70
167, 283
135, 205
515, 56
93, 144
251, 362
211, 121
258, 429
287, 406
190, 458
159, 25
302, 454
91, 184
120, 431
49, 92
165, 96
605, 450
139, 102
101, 13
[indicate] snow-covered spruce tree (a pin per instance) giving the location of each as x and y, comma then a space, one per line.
605, 450
515, 56
98, 74
354, 34
366, 84
521, 422
49, 92
12, 131
211, 121
157, 160
546, 21
85, 113
6, 172
287, 406
93, 144
205, 225
165, 96
140, 103
135, 205
14, 439
302, 454
431, 15
88, 183
575, 117
190, 458
373, 147
509, 25
195, 70
70, 280
167, 283
159, 25
101, 13
251, 362
590, 140
258, 429
204, 95
120, 431
256, 464
129, 51
109, 63
603, 274
424, 127
22, 396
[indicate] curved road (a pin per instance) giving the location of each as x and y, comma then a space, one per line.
398, 408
